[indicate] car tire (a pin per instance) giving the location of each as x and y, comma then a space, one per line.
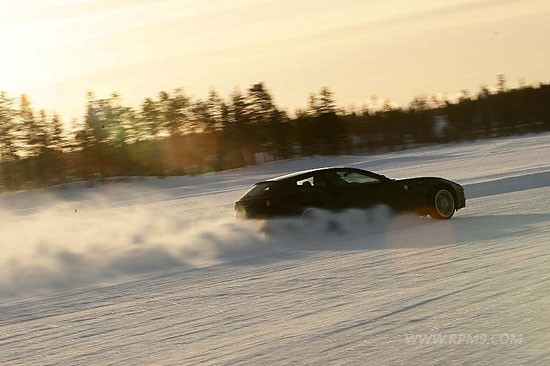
442, 204
311, 214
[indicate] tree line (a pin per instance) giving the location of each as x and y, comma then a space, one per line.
175, 134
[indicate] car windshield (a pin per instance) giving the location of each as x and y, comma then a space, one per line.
344, 177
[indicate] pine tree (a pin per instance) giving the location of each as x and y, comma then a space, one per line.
9, 171
326, 101
174, 112
8, 138
28, 130
259, 104
237, 108
150, 116
57, 139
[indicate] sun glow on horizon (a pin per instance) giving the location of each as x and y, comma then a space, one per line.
57, 50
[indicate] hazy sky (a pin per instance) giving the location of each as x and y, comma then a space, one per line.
56, 50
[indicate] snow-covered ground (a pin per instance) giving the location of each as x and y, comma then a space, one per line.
156, 271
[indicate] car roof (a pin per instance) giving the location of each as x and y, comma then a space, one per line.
296, 174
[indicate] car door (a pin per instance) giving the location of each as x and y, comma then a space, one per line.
312, 190
356, 188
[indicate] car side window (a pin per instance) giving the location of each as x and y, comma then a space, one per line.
306, 182
311, 181
260, 189
354, 177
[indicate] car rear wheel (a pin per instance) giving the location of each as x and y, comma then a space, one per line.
311, 214
442, 204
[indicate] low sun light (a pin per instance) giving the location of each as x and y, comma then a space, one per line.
12, 73
23, 62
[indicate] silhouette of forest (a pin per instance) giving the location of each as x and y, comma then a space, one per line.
175, 134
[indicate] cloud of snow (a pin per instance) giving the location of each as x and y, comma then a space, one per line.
61, 247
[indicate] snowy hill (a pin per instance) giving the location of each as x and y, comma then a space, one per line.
156, 271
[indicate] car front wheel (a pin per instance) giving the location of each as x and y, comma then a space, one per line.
443, 205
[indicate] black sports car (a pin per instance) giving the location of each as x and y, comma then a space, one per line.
345, 188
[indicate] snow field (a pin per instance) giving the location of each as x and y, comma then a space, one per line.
157, 271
